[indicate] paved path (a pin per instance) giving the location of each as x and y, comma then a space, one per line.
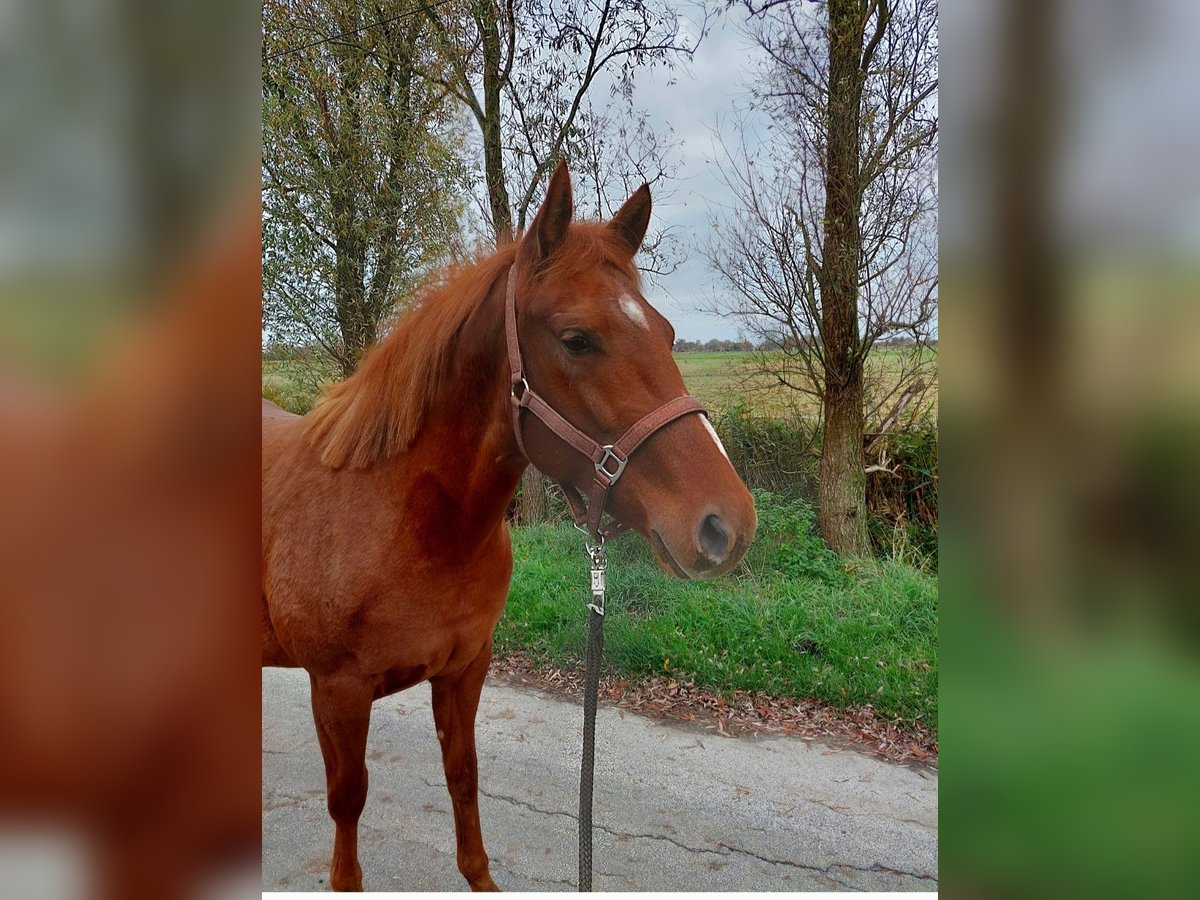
677, 807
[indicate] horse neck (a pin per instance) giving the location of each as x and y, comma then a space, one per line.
467, 442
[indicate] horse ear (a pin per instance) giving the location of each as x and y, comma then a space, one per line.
550, 224
633, 218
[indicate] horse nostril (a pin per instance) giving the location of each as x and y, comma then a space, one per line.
714, 539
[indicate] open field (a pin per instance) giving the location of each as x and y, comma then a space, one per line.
718, 380
721, 380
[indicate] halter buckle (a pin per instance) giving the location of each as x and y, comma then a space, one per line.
602, 465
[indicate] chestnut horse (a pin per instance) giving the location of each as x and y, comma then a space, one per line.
386, 557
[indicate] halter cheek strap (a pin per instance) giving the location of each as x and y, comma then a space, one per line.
609, 460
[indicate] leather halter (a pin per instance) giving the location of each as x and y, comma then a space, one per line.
608, 459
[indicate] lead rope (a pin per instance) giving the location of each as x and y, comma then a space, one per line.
609, 461
598, 557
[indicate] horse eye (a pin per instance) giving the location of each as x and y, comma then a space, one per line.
577, 343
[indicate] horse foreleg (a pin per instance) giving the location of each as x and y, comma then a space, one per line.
342, 711
455, 701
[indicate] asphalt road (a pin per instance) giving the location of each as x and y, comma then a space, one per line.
677, 808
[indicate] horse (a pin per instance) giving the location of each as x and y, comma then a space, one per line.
386, 557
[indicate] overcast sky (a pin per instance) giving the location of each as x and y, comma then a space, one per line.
704, 93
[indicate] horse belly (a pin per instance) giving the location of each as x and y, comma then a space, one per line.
398, 630
273, 653
443, 635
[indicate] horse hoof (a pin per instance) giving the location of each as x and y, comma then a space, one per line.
484, 884
351, 881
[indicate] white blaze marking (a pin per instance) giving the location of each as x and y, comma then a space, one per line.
713, 432
633, 309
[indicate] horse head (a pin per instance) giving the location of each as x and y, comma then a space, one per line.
600, 355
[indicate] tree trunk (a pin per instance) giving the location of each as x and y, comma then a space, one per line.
842, 481
493, 156
531, 505
843, 488
348, 287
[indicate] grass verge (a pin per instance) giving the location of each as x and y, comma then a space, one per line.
793, 620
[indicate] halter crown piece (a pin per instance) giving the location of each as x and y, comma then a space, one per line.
608, 459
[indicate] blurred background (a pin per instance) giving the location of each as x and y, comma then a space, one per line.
1070, 416
129, 306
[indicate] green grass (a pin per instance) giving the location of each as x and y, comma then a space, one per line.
793, 620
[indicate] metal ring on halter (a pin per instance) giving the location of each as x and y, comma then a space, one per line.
602, 465
588, 545
524, 384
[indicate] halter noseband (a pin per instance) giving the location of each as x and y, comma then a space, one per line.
609, 459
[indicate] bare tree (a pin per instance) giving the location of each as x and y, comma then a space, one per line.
361, 169
529, 73
831, 246
551, 79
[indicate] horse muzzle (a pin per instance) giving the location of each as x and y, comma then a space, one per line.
715, 544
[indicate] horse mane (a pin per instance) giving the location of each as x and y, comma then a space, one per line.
378, 411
